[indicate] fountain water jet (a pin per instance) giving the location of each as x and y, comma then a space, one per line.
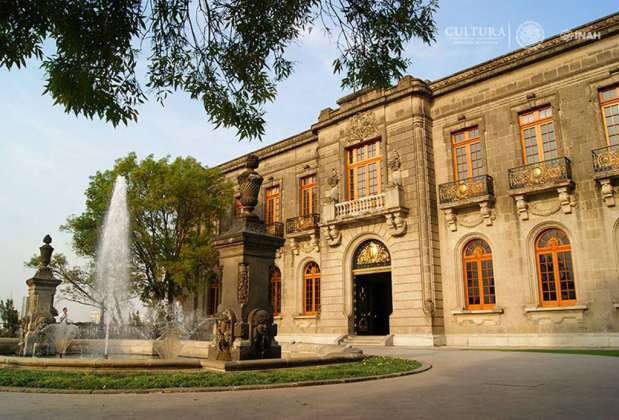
112, 264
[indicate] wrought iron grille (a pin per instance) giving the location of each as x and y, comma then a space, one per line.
536, 174
302, 223
477, 186
606, 159
275, 229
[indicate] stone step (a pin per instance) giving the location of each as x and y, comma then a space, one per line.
368, 340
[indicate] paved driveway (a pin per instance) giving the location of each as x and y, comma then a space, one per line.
463, 384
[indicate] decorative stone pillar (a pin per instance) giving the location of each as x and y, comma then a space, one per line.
245, 329
40, 304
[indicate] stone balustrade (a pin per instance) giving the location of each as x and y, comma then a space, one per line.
360, 206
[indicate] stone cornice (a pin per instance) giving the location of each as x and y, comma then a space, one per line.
270, 150
557, 44
407, 86
367, 99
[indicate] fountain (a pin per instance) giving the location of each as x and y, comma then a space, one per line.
243, 331
112, 265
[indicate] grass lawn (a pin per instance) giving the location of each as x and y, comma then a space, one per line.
590, 352
52, 379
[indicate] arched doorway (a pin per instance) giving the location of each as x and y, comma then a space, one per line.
372, 303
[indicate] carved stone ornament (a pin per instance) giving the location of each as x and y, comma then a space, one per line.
224, 334
334, 236
396, 174
608, 192
362, 127
262, 332
249, 185
396, 223
333, 195
243, 283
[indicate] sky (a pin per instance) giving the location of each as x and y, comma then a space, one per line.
47, 156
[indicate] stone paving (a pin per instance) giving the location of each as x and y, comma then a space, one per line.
462, 384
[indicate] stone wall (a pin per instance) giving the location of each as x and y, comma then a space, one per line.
414, 121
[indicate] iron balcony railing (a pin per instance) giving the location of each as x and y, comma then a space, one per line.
540, 173
360, 206
302, 223
606, 159
464, 189
275, 229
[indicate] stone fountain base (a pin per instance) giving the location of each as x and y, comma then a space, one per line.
194, 355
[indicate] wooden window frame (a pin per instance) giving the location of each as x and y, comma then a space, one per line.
272, 201
212, 301
276, 290
607, 103
554, 251
365, 163
314, 199
537, 124
314, 277
467, 143
477, 258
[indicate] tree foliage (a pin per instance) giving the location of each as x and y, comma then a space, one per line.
228, 54
173, 207
78, 283
10, 318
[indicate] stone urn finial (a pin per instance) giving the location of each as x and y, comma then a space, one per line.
249, 185
46, 251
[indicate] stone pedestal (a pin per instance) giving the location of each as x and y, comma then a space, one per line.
245, 329
40, 304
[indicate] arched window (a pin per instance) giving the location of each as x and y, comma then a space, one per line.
311, 287
212, 298
478, 275
554, 268
276, 290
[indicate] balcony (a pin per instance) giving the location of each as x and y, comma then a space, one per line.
476, 191
606, 161
387, 206
302, 224
541, 177
361, 206
469, 190
605, 169
275, 229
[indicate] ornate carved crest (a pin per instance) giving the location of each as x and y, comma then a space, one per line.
362, 127
243, 283
371, 253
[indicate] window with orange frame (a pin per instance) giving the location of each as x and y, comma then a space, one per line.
363, 170
537, 134
609, 103
466, 149
553, 253
311, 287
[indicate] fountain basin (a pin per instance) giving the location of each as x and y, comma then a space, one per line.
87, 364
140, 355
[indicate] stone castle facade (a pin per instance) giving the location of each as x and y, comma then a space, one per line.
480, 209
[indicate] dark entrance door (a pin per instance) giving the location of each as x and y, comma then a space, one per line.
372, 302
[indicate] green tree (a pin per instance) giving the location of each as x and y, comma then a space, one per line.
228, 54
9, 317
78, 283
173, 207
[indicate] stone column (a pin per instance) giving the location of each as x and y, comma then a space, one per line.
40, 304
244, 329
